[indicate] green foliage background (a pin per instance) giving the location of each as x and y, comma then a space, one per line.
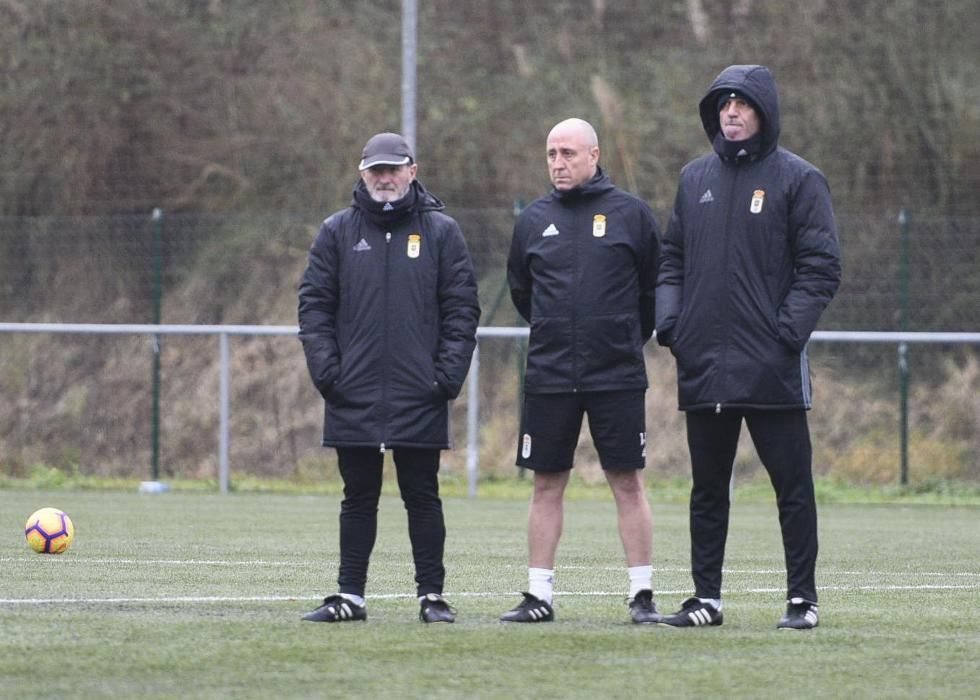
119, 106
243, 121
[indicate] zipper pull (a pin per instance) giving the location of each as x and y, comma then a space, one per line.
717, 410
388, 237
382, 444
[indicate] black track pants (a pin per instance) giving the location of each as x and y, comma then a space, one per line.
782, 441
417, 471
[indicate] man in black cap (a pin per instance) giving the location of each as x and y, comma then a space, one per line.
748, 264
388, 313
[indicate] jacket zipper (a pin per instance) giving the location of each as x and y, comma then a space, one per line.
733, 188
576, 251
384, 334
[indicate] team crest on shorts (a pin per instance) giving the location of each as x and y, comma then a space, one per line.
526, 446
414, 244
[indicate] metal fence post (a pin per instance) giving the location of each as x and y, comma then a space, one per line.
473, 421
903, 350
409, 69
224, 381
157, 317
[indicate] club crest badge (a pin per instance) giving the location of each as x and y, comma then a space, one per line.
414, 245
758, 198
526, 446
599, 225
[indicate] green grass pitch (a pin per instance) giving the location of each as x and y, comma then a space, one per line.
200, 596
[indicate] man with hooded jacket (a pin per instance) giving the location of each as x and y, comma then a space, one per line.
388, 313
749, 262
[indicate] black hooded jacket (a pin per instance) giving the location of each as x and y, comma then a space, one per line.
388, 313
749, 262
582, 273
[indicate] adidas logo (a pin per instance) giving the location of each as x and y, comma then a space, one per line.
387, 207
550, 231
344, 611
706, 197
700, 616
538, 613
811, 617
362, 245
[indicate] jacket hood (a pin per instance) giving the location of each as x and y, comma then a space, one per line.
757, 84
426, 200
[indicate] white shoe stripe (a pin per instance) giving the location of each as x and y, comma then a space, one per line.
700, 616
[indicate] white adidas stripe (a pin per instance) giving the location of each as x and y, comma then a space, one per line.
538, 613
700, 616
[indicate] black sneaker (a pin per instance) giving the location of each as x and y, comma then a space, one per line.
800, 615
336, 608
436, 609
694, 613
531, 609
643, 610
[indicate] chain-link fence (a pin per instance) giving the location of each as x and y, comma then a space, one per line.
106, 269
84, 403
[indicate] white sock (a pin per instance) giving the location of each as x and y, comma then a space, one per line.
714, 602
355, 599
541, 583
641, 578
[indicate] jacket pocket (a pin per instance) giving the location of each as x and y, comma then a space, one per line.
609, 349
678, 333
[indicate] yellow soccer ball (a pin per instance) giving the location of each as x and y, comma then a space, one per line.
49, 531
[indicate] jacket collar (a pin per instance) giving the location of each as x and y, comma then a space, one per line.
599, 183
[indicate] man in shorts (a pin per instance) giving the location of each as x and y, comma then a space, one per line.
582, 272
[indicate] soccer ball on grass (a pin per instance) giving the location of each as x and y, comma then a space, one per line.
49, 531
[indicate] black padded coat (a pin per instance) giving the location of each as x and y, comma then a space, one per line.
749, 261
388, 313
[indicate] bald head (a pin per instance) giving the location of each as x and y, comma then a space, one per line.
573, 153
575, 127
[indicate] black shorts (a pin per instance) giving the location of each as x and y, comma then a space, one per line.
551, 425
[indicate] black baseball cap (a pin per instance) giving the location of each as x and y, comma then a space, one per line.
386, 149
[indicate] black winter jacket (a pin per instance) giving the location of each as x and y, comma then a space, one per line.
388, 313
582, 272
749, 262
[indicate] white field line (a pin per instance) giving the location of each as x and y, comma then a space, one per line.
823, 573
168, 562
460, 594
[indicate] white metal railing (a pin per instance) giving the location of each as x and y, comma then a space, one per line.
473, 381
